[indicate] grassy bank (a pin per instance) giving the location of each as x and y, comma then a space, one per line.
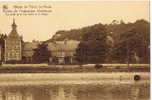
70, 68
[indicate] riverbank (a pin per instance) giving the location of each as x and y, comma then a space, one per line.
73, 68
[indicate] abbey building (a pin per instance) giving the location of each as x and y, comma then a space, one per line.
13, 45
14, 50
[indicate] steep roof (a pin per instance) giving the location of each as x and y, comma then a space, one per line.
68, 45
13, 33
30, 45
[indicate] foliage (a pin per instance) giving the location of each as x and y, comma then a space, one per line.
130, 39
41, 54
92, 48
2, 37
133, 42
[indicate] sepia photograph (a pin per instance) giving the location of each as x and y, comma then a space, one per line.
75, 50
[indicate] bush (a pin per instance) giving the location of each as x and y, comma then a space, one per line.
98, 66
137, 78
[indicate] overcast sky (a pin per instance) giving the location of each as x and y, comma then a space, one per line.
70, 15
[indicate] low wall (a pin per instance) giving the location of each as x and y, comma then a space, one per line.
84, 65
24, 65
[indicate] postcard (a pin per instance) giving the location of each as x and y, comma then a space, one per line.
74, 50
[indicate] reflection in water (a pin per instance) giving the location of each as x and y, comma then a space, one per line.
76, 92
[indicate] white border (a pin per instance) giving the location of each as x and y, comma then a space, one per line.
75, 0
150, 19
113, 1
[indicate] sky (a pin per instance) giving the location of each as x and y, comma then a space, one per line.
68, 15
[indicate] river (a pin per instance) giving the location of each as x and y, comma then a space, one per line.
75, 86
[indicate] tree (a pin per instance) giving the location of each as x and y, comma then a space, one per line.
2, 38
131, 41
92, 48
134, 43
41, 54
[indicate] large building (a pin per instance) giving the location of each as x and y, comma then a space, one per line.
28, 51
63, 51
13, 45
13, 49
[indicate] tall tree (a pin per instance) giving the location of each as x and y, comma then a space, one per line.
2, 38
41, 54
133, 43
93, 47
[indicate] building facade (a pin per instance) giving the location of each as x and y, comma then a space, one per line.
28, 51
13, 45
63, 51
14, 50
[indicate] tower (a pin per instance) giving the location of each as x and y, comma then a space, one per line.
13, 46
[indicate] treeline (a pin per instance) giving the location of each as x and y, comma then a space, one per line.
130, 42
116, 28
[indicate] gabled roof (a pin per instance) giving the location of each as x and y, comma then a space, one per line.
68, 45
30, 45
